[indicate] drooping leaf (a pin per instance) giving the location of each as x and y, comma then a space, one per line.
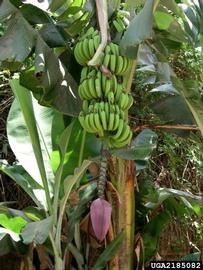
188, 90
100, 213
109, 252
29, 129
82, 208
50, 82
37, 232
141, 147
140, 29
162, 194
27, 122
68, 185
17, 42
34, 14
24, 180
173, 110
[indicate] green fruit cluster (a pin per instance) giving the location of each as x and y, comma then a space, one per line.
121, 20
104, 98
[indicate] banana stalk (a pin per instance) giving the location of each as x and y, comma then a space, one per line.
123, 178
123, 214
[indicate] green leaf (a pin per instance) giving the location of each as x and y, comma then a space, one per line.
37, 232
109, 252
24, 180
35, 15
34, 213
172, 6
15, 224
14, 47
71, 180
50, 81
151, 234
174, 110
140, 29
69, 183
70, 151
163, 20
76, 216
6, 8
29, 129
188, 90
191, 257
141, 147
163, 194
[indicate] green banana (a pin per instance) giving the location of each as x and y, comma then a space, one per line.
121, 23
106, 60
96, 40
85, 49
98, 88
107, 87
110, 97
119, 91
119, 131
111, 120
84, 74
85, 106
123, 100
91, 85
113, 63
124, 134
117, 26
103, 119
91, 47
119, 65
116, 122
80, 53
92, 122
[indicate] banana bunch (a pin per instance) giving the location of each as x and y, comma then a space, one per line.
121, 20
112, 59
104, 98
87, 46
100, 117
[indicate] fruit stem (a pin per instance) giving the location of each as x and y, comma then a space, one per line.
102, 15
102, 174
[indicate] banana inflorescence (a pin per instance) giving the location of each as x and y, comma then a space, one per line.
105, 100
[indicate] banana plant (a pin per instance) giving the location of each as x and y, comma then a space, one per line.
47, 51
